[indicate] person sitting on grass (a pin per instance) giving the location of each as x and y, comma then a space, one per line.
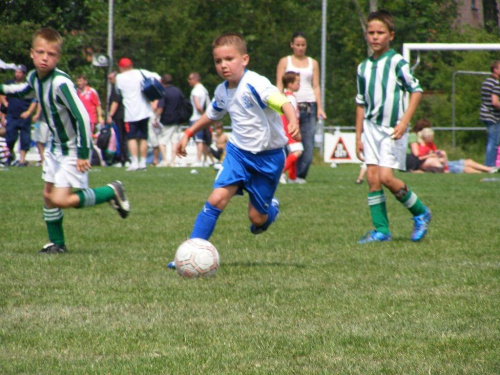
439, 158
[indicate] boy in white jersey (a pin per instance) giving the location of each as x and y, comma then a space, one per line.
67, 157
382, 119
254, 154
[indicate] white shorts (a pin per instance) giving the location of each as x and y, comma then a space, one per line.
297, 146
380, 149
62, 172
163, 135
41, 133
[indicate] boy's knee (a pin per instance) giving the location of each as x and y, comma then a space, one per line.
401, 193
256, 218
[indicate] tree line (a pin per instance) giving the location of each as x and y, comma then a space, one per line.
175, 36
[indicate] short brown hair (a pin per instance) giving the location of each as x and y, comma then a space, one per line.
494, 65
289, 78
383, 16
50, 35
421, 124
231, 39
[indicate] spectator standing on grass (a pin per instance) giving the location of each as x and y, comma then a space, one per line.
90, 99
137, 110
308, 97
4, 149
116, 115
200, 100
291, 84
254, 154
18, 119
490, 112
167, 117
382, 118
67, 159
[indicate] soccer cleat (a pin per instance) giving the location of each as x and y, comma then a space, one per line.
421, 225
52, 248
120, 202
283, 179
374, 236
262, 228
171, 265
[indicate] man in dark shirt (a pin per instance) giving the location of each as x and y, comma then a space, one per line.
490, 112
18, 119
116, 115
167, 119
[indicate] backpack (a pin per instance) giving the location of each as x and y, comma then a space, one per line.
104, 137
185, 110
151, 88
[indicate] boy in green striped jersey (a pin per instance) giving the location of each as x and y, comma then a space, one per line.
382, 118
67, 158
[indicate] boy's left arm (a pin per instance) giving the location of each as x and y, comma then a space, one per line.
293, 126
280, 103
400, 128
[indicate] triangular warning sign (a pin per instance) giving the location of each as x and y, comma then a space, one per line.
340, 151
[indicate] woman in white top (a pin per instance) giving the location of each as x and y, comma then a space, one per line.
308, 96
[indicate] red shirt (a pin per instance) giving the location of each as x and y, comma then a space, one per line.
90, 100
292, 99
426, 148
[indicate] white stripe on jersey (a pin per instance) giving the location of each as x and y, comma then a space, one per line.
382, 84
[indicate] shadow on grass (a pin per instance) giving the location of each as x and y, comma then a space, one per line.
264, 264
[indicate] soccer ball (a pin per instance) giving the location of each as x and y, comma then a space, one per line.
196, 258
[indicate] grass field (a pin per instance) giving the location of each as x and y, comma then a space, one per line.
302, 298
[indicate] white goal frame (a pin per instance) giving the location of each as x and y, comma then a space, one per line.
409, 47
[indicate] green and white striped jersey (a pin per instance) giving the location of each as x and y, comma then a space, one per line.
63, 111
382, 85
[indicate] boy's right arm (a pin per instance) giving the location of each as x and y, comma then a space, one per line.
20, 90
360, 115
202, 123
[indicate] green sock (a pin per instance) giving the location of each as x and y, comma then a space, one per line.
54, 219
378, 210
413, 203
91, 197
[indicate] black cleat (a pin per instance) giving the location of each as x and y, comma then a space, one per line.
120, 202
52, 248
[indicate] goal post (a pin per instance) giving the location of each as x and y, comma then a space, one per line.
409, 47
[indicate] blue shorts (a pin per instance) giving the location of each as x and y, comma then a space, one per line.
138, 129
456, 166
16, 126
258, 174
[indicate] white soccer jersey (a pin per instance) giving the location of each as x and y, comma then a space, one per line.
382, 84
254, 126
63, 111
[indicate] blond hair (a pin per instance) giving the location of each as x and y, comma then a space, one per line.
50, 35
424, 133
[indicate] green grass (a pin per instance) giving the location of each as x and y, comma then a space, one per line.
302, 298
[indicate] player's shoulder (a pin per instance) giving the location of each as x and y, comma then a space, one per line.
256, 80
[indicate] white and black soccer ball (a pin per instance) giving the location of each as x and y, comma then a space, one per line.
196, 258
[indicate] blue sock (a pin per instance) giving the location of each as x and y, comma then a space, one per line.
205, 222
